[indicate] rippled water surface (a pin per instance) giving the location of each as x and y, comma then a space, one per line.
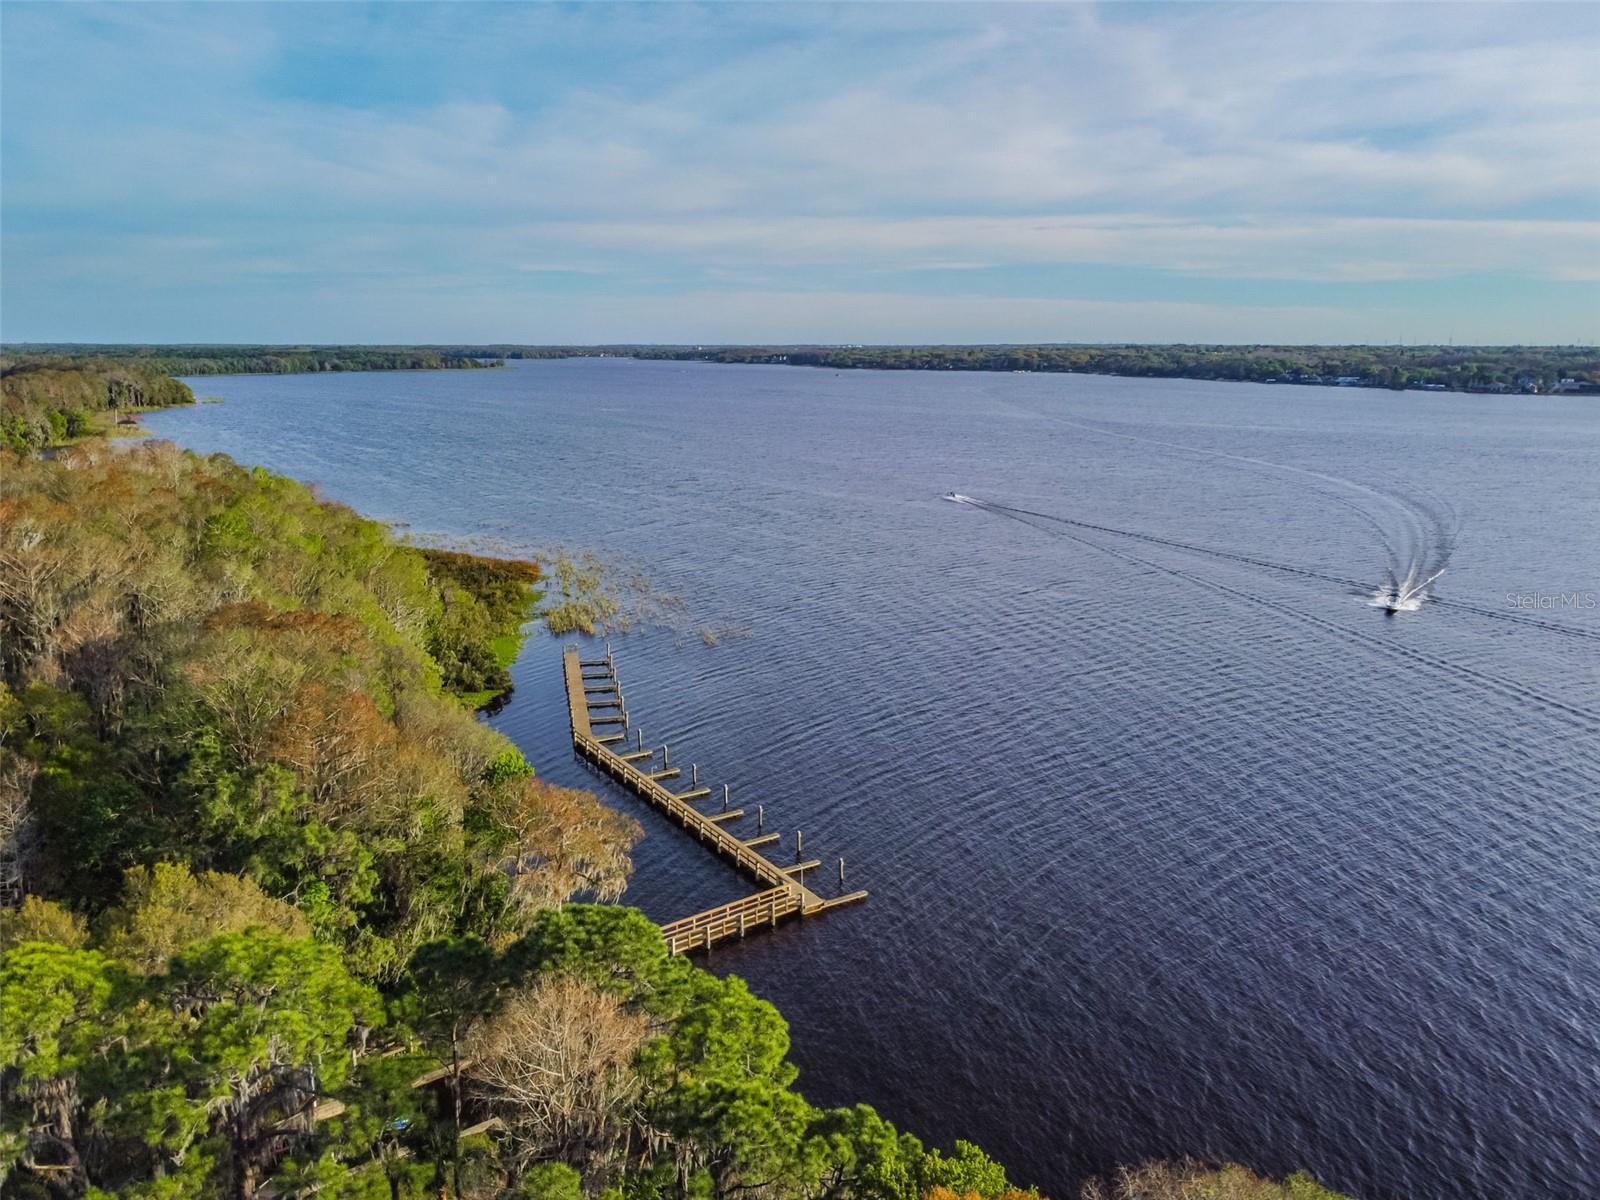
1175, 843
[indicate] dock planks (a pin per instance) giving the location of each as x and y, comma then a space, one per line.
783, 893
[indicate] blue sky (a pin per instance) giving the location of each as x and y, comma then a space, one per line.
770, 172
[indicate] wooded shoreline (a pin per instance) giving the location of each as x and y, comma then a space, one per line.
1486, 369
1528, 370
263, 874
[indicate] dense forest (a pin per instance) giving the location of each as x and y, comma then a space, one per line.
52, 402
1500, 369
259, 360
54, 395
1530, 369
280, 917
1510, 369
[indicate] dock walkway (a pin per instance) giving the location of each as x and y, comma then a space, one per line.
594, 698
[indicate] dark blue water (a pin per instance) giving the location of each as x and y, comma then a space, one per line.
1175, 844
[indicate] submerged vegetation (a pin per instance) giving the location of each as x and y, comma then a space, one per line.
587, 598
280, 918
592, 595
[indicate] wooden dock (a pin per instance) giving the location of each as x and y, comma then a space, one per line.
595, 697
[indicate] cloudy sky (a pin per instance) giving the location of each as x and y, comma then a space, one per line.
859, 173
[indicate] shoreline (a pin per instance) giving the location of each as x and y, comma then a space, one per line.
1567, 370
1473, 370
482, 366
1194, 377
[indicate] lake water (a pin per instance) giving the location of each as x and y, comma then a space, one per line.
1176, 844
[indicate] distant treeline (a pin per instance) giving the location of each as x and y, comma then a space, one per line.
1525, 369
54, 394
1540, 369
265, 360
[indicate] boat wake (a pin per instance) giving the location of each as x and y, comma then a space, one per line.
1415, 531
1407, 595
1404, 595
1401, 590
1030, 517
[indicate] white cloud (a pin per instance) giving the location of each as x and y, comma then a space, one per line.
834, 317
1334, 249
1318, 143
1273, 108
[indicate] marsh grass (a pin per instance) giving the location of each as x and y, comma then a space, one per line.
587, 595
593, 594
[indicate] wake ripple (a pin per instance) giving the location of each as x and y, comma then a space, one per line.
1503, 687
1358, 587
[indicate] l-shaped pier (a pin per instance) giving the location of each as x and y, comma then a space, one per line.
595, 702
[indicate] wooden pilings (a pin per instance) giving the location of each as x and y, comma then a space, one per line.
737, 917
592, 691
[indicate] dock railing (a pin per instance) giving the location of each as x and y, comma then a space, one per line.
784, 893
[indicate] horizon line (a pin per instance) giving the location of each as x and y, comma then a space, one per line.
40, 344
